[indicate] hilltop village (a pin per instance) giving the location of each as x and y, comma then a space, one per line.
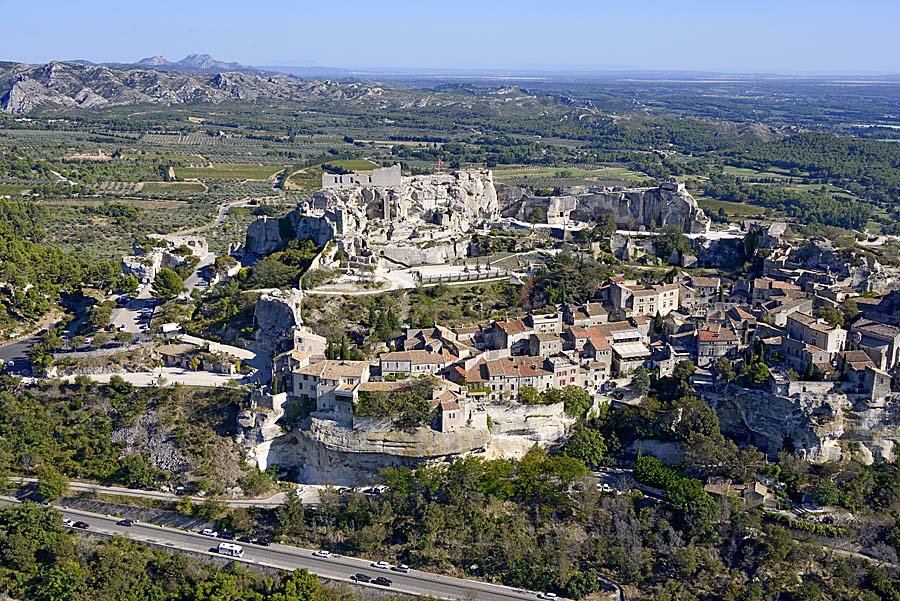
796, 357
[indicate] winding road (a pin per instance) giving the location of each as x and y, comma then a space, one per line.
336, 567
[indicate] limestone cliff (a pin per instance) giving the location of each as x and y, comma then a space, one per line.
424, 211
276, 314
322, 451
818, 424
668, 204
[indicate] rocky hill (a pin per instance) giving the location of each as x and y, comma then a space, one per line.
25, 88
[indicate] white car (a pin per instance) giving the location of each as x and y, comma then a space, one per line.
381, 565
68, 523
549, 596
324, 554
209, 532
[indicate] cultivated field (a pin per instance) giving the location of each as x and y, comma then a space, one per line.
229, 171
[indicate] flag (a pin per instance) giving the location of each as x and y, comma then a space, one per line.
440, 162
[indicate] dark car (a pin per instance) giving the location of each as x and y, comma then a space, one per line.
361, 578
263, 542
126, 522
381, 580
245, 539
226, 536
82, 525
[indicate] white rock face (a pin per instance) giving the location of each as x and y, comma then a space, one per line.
424, 220
277, 313
325, 452
668, 204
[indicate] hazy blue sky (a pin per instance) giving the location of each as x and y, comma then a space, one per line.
726, 35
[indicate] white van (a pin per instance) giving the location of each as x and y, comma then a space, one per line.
231, 549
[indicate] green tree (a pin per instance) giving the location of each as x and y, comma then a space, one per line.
586, 444
834, 317
52, 484
640, 381
299, 585
118, 387
528, 395
167, 284
725, 369
291, 518
127, 284
576, 399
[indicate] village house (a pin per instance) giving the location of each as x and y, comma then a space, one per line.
630, 299
332, 383
805, 327
584, 316
411, 363
544, 344
714, 344
880, 341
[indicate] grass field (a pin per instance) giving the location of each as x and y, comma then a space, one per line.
162, 187
735, 209
229, 171
754, 174
509, 173
354, 165
306, 179
12, 189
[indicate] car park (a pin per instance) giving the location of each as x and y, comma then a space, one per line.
209, 532
401, 568
381, 565
323, 554
361, 578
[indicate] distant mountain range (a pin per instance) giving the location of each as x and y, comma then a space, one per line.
196, 78
192, 63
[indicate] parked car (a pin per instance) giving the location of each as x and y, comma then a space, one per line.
68, 523
245, 539
401, 568
381, 580
263, 542
323, 554
548, 596
226, 536
210, 532
361, 578
381, 565
125, 522
82, 525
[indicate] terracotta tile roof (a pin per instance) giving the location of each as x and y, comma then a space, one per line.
524, 366
418, 357
722, 335
332, 369
513, 326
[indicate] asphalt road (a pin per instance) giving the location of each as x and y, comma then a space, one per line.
17, 351
290, 558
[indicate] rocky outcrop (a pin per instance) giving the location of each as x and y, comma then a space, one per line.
821, 423
423, 221
323, 451
277, 314
667, 204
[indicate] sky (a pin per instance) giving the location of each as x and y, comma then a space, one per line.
732, 36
